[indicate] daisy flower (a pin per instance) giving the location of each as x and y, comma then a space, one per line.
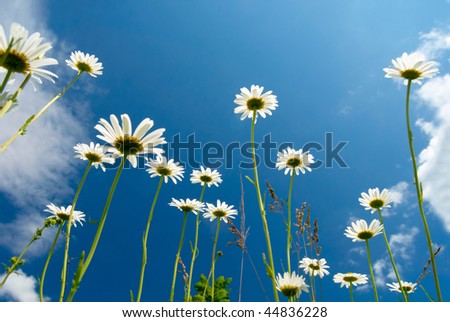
206, 176
22, 54
94, 153
411, 67
167, 169
188, 205
64, 214
292, 160
408, 287
291, 284
253, 101
350, 278
359, 231
124, 143
375, 200
314, 267
82, 62
221, 211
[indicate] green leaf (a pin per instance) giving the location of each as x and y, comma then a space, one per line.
23, 128
250, 179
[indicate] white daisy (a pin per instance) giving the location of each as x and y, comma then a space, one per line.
360, 232
22, 54
94, 153
350, 278
168, 169
292, 160
64, 214
375, 200
408, 287
206, 176
124, 143
411, 67
314, 266
188, 205
82, 62
221, 211
253, 100
291, 284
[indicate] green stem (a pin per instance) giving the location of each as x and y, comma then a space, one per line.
49, 257
19, 90
352, 299
426, 293
263, 212
213, 263
288, 225
145, 238
101, 224
419, 192
195, 250
33, 118
394, 267
16, 264
177, 257
5, 81
372, 276
313, 288
69, 225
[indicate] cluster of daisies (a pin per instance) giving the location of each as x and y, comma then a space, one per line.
291, 284
25, 54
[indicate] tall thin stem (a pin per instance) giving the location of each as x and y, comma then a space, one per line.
69, 225
47, 262
263, 212
17, 261
195, 250
177, 257
213, 261
8, 104
313, 288
288, 224
352, 299
98, 234
394, 267
5, 81
372, 276
145, 239
419, 193
33, 118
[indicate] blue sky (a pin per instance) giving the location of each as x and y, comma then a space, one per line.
181, 64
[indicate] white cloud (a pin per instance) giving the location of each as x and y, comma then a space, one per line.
399, 192
402, 243
434, 160
383, 272
434, 43
19, 287
38, 167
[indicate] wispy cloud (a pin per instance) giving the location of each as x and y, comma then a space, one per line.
38, 167
434, 160
19, 288
402, 243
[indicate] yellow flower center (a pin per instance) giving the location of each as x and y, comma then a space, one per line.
83, 67
410, 74
15, 62
255, 103
128, 145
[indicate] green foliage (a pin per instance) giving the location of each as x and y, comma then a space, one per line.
221, 290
